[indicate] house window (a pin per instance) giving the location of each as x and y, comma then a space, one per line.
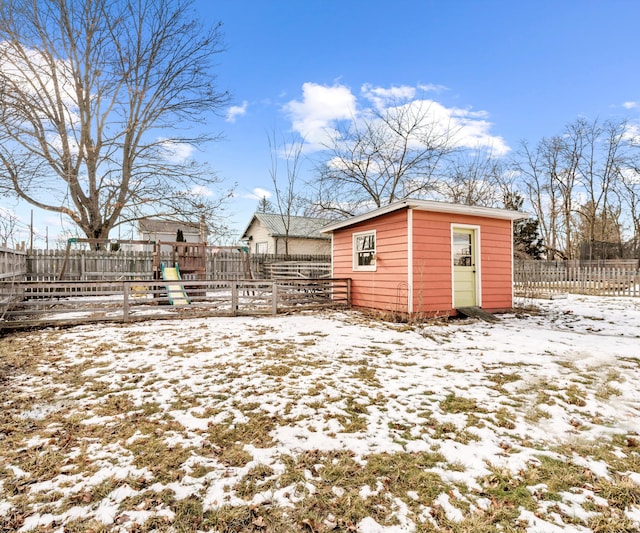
262, 247
364, 250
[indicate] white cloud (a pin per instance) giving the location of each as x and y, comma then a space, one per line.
201, 190
30, 70
472, 130
632, 134
236, 111
260, 193
431, 87
176, 152
316, 114
630, 105
382, 97
630, 175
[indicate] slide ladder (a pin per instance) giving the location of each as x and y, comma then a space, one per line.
175, 291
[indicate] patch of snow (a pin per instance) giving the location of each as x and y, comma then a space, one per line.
538, 525
599, 468
369, 525
5, 507
453, 513
633, 513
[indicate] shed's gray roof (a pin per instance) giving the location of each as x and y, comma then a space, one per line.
299, 227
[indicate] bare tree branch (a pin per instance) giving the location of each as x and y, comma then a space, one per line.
288, 200
98, 100
385, 156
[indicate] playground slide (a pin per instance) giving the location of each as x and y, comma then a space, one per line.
175, 291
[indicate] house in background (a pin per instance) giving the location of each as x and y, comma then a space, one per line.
266, 234
154, 229
425, 257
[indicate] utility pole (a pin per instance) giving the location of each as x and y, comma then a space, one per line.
31, 233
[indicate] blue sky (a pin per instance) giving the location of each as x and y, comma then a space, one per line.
512, 70
524, 68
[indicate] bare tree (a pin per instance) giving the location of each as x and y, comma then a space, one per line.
288, 202
8, 227
385, 156
98, 101
535, 167
475, 179
579, 183
550, 173
629, 187
600, 167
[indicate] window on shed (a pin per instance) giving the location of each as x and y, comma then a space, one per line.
262, 247
364, 251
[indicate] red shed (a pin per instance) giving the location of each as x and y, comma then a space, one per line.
419, 256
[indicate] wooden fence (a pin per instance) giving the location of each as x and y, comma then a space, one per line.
13, 264
84, 265
545, 279
91, 265
628, 264
297, 269
66, 302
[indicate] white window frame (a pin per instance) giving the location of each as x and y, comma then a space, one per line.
355, 252
264, 245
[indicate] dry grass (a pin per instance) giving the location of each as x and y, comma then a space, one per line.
280, 430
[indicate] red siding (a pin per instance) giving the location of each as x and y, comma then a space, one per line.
387, 287
432, 276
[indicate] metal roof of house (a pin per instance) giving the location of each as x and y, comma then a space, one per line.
428, 205
299, 227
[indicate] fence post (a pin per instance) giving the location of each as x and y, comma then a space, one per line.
126, 286
348, 292
274, 298
234, 298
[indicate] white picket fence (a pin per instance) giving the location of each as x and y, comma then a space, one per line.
540, 279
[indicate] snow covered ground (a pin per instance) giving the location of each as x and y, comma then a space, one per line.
330, 420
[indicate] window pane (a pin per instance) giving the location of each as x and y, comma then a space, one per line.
365, 258
462, 249
365, 242
365, 250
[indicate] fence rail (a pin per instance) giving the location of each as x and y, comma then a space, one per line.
89, 265
541, 279
65, 302
298, 269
